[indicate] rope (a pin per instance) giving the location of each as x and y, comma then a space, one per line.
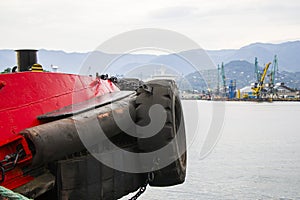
10, 195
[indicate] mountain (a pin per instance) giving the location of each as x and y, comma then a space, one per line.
7, 59
240, 71
78, 62
239, 64
287, 53
67, 62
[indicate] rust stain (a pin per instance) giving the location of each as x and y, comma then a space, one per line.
2, 84
119, 111
104, 115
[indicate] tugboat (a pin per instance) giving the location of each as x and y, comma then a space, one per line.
42, 155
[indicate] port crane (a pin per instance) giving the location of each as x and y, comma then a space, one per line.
257, 89
218, 83
223, 78
256, 70
274, 71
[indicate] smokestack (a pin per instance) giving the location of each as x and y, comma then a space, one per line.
26, 58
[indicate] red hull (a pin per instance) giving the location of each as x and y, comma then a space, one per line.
26, 95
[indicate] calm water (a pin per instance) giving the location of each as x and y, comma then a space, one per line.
257, 156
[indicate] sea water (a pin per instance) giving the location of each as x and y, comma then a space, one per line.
257, 154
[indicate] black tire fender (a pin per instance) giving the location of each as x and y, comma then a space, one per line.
165, 93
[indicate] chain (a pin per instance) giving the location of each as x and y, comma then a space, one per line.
9, 163
140, 192
143, 187
150, 178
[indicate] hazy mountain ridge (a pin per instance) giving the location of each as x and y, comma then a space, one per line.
7, 59
288, 54
243, 73
288, 58
239, 64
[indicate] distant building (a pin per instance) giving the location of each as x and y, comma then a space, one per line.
54, 68
284, 91
246, 90
161, 74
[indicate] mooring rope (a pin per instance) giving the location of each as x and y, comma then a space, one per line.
10, 195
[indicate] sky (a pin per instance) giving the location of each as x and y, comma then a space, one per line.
80, 26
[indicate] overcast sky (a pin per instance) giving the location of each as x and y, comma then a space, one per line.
77, 25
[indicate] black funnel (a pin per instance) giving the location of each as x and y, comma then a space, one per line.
26, 58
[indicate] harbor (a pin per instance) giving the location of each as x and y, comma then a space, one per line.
265, 86
149, 100
247, 163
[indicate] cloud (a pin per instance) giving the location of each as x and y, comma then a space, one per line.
75, 25
173, 12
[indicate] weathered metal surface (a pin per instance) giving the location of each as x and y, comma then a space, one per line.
85, 106
58, 139
26, 95
85, 177
37, 186
76, 106
44, 92
129, 83
26, 58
